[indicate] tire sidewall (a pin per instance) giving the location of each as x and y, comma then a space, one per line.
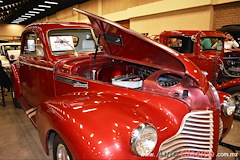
234, 90
57, 141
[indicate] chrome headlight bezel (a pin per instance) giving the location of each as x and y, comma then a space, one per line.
215, 93
228, 106
144, 140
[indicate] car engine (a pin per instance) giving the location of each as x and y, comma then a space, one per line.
231, 67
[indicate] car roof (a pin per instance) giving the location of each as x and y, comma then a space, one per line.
203, 33
57, 25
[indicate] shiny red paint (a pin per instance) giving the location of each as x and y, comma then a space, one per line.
62, 95
207, 60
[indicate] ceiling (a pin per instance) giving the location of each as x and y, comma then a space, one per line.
28, 11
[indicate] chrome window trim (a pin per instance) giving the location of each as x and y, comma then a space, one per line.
36, 66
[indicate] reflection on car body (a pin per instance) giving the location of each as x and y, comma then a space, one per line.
129, 98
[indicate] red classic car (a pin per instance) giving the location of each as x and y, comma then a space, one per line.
205, 49
131, 98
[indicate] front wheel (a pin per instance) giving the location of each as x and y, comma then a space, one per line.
235, 92
60, 149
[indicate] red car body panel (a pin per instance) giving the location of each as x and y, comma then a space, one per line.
147, 51
228, 84
208, 60
62, 95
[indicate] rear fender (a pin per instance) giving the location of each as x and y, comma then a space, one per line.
227, 120
228, 84
100, 121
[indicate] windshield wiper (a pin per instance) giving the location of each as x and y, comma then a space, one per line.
75, 52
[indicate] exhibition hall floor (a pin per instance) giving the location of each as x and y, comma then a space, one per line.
19, 139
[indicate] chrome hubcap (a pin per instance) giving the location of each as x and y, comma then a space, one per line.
62, 153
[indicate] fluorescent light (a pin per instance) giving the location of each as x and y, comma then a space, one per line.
38, 9
44, 6
20, 18
27, 14
49, 2
33, 12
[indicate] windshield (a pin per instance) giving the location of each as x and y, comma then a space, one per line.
71, 40
181, 44
211, 43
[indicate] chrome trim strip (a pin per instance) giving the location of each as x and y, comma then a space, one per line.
36, 66
72, 82
32, 114
30, 110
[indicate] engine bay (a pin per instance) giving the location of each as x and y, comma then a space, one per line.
121, 73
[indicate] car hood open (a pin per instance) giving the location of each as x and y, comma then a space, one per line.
128, 45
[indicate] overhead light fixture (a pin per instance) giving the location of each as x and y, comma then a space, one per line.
38, 9
44, 6
20, 18
27, 14
49, 2
34, 12
1, 1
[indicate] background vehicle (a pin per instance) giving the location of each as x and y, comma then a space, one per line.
221, 69
136, 98
233, 29
9, 52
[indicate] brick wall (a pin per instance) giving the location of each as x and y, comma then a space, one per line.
226, 14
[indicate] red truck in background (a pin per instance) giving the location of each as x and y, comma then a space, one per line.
205, 49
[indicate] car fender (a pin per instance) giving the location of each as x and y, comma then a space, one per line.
106, 135
16, 81
227, 120
228, 84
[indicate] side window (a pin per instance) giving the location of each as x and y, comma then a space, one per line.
181, 44
211, 43
33, 45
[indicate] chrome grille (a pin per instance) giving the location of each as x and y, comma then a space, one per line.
194, 136
220, 128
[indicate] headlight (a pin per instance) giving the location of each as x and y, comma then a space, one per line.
144, 139
228, 106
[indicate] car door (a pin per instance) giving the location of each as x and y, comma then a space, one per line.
36, 74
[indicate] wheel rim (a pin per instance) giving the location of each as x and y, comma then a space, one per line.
237, 99
62, 153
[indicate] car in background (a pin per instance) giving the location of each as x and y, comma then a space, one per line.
233, 29
205, 49
9, 52
102, 91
